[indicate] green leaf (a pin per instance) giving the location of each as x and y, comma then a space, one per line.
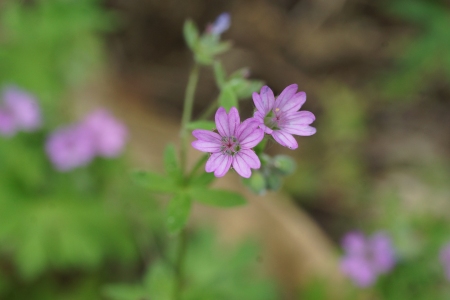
154, 182
202, 124
219, 198
246, 90
203, 58
228, 99
219, 48
219, 74
178, 212
203, 180
171, 165
191, 34
239, 74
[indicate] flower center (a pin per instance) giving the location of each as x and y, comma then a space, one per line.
272, 119
230, 145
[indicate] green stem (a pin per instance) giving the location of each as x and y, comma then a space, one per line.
187, 113
197, 165
179, 264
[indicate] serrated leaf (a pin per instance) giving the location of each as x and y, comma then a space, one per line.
221, 198
171, 166
207, 125
154, 182
190, 33
219, 74
228, 99
178, 212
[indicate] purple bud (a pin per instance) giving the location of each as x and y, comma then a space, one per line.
221, 24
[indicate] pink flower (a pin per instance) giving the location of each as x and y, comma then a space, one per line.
232, 145
367, 257
7, 125
444, 257
109, 135
23, 107
70, 147
281, 117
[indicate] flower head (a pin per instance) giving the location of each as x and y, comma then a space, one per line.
231, 146
280, 117
220, 25
109, 134
444, 257
19, 111
24, 108
366, 258
70, 147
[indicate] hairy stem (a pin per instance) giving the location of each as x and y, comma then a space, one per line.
187, 113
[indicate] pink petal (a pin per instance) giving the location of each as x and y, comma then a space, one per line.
285, 96
206, 135
285, 139
206, 146
233, 120
218, 163
249, 134
299, 118
294, 103
250, 158
258, 103
267, 98
226, 124
222, 122
303, 130
241, 166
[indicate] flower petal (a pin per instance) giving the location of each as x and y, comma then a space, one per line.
299, 118
222, 122
303, 130
218, 163
233, 120
241, 166
258, 103
249, 134
294, 103
250, 158
285, 96
267, 98
285, 139
205, 146
206, 135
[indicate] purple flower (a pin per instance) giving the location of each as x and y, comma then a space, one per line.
366, 258
444, 257
23, 108
109, 135
71, 147
231, 146
220, 25
281, 117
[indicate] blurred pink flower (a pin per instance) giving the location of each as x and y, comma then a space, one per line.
99, 134
366, 258
281, 117
19, 111
231, 146
70, 147
109, 135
